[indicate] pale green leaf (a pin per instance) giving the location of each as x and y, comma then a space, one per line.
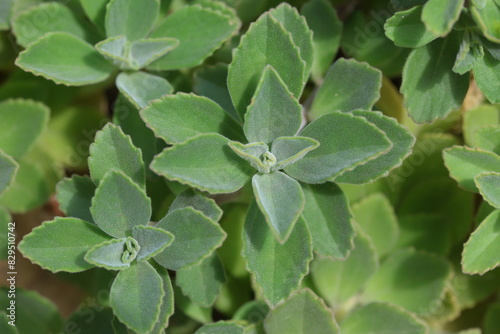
96, 12
77, 63
196, 200
338, 150
281, 200
8, 170
145, 51
221, 327
64, 250
277, 269
440, 15
406, 29
74, 196
482, 250
265, 43
151, 240
487, 74
116, 50
140, 87
136, 297
348, 85
489, 187
287, 150
488, 138
131, 18
119, 204
487, 19
473, 119
471, 51
205, 162
273, 112
257, 154
110, 254
112, 149
195, 238
167, 304
303, 312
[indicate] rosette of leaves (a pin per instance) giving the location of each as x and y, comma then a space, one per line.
451, 39
108, 226
263, 139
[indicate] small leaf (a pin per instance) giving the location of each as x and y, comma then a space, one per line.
195, 238
205, 162
176, 118
116, 50
303, 311
488, 138
202, 282
196, 200
471, 51
80, 64
110, 254
489, 187
70, 239
140, 87
167, 304
274, 112
440, 15
119, 205
257, 154
265, 43
487, 19
74, 196
112, 149
276, 268
348, 85
487, 72
382, 318
465, 164
151, 240
8, 170
145, 51
338, 150
221, 327
281, 200
122, 18
136, 296
406, 29
287, 150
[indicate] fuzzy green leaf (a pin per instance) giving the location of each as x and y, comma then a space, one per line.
112, 149
489, 187
281, 200
122, 18
136, 297
287, 150
145, 51
119, 204
265, 43
167, 304
487, 74
274, 112
70, 239
440, 15
116, 50
430, 87
221, 327
77, 63
194, 199
338, 150
151, 240
8, 170
205, 162
195, 238
407, 30
140, 87
471, 51
276, 268
96, 12
74, 196
488, 138
303, 312
487, 19
348, 85
110, 254
257, 154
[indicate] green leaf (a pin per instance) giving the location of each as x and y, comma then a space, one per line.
420, 280
487, 138
196, 200
79, 320
322, 19
491, 47
302, 312
402, 141
253, 311
406, 29
8, 170
265, 43
122, 18
375, 215
221, 327
74, 196
136, 296
338, 150
274, 112
471, 51
281, 200
484, 115
96, 12
64, 250
481, 251
382, 318
207, 31
277, 269
288, 150
176, 118
202, 282
328, 217
257, 154
5, 14
23, 121
116, 50
337, 281
151, 240
35, 22
112, 149
140, 87
430, 87
466, 163
205, 162
489, 187
195, 238
439, 16
348, 85
167, 304
487, 72
80, 64
111, 255
302, 36
145, 51
490, 322
487, 19
5, 327
119, 204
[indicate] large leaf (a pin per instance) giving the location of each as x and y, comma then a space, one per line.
489, 187
167, 304
276, 268
194, 199
487, 19
274, 112
75, 197
61, 244
119, 204
440, 15
8, 169
205, 162
141, 87
406, 29
487, 72
77, 63
338, 150
348, 85
122, 18
265, 43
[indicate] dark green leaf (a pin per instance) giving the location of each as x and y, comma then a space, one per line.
221, 327
407, 30
74, 196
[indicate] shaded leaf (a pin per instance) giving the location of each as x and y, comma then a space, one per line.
167, 304
122, 18
74, 196
96, 12
487, 72
440, 15
406, 29
221, 327
194, 199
